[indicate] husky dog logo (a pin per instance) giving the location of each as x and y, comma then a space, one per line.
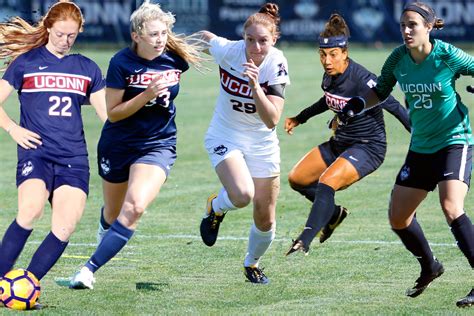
404, 173
369, 16
105, 165
27, 168
220, 150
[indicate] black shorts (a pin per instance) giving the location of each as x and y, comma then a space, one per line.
366, 158
425, 171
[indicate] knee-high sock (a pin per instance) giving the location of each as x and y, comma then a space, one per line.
259, 242
415, 241
308, 191
222, 203
462, 230
46, 256
114, 240
321, 212
12, 244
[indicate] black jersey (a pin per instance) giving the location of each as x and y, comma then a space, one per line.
367, 126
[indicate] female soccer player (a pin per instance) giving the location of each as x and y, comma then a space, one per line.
241, 139
52, 155
440, 151
358, 145
137, 147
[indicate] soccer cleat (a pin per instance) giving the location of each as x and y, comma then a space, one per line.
210, 223
101, 231
255, 275
466, 301
425, 280
83, 279
298, 245
327, 230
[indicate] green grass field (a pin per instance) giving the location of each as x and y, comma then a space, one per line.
166, 269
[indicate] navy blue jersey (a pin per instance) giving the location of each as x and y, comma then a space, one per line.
51, 91
369, 125
153, 125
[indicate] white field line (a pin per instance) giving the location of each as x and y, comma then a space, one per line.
237, 238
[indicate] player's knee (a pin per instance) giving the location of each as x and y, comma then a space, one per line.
28, 216
241, 198
134, 209
295, 181
451, 210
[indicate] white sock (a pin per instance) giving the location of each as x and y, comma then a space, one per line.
222, 202
259, 242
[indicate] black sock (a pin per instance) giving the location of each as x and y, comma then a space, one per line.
103, 222
415, 241
12, 244
321, 212
47, 254
308, 191
463, 232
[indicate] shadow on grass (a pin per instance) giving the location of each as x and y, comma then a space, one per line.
150, 286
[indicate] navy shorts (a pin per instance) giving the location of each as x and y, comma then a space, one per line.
114, 166
365, 158
53, 174
425, 171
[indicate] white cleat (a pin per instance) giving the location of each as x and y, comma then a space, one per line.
101, 231
83, 279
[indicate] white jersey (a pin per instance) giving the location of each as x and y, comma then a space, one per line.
235, 116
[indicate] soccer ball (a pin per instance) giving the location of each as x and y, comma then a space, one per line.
19, 289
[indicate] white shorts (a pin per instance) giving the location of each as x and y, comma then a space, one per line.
262, 161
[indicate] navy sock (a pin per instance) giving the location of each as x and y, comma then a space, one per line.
114, 240
463, 232
46, 256
335, 215
321, 212
308, 191
103, 222
12, 244
415, 241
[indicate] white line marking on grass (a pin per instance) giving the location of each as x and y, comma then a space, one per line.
234, 238
368, 242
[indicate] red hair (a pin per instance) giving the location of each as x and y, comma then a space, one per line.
18, 36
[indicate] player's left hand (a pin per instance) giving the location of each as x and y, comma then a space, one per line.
251, 71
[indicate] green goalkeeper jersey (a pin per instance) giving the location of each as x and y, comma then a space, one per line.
437, 114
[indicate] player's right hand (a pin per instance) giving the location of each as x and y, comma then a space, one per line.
290, 124
156, 87
25, 138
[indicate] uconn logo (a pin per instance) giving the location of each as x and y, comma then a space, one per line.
236, 86
335, 102
170, 77
58, 82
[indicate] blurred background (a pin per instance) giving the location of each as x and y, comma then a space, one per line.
372, 22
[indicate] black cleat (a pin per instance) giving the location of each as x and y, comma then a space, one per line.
255, 275
466, 301
210, 223
425, 280
327, 230
298, 245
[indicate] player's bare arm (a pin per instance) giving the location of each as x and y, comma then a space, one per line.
23, 137
118, 110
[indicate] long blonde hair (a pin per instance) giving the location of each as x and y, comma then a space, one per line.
184, 46
18, 36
